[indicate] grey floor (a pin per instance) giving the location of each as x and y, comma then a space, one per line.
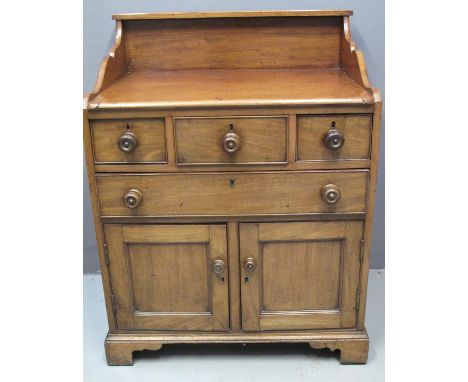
253, 362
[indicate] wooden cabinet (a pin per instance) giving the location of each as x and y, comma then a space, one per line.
232, 161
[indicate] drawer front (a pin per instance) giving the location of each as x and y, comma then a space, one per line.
231, 193
353, 130
129, 141
241, 140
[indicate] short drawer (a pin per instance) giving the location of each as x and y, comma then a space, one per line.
333, 137
236, 140
129, 141
232, 193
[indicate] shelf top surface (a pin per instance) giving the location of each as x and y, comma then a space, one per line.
229, 87
204, 15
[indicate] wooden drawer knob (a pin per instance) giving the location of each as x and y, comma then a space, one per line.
218, 267
249, 264
331, 194
231, 142
334, 139
128, 142
133, 198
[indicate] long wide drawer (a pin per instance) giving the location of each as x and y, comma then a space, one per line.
232, 193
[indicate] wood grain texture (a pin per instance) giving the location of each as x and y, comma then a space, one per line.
351, 352
376, 130
312, 267
353, 344
232, 193
150, 134
262, 140
307, 275
197, 219
250, 281
234, 276
237, 43
351, 58
169, 277
120, 353
163, 278
209, 15
225, 87
234, 167
317, 109
100, 239
114, 65
357, 130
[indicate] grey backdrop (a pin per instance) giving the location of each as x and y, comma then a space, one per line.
367, 28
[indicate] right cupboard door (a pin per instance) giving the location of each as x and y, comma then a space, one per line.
299, 275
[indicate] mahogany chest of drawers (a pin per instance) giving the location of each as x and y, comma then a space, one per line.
232, 167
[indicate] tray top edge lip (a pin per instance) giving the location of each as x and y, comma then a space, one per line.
228, 14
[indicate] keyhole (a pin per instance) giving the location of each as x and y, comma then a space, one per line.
232, 183
333, 125
222, 279
246, 279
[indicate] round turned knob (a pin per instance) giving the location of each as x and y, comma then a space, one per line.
334, 139
231, 142
331, 194
133, 198
127, 142
249, 264
218, 267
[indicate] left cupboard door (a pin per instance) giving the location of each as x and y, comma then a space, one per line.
169, 277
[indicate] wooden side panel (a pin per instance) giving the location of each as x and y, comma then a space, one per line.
114, 65
262, 140
100, 238
290, 42
356, 129
232, 193
352, 59
370, 208
150, 135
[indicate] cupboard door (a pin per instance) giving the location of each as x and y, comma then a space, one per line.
169, 277
299, 275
